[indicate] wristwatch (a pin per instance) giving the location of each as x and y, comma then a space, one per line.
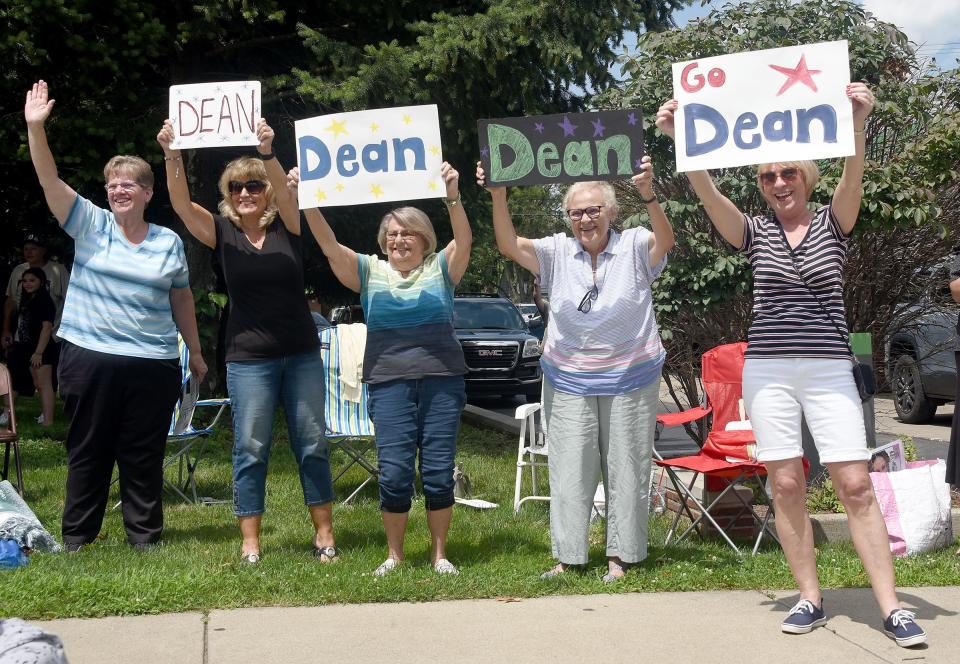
452, 201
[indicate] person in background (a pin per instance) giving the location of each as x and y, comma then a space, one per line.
273, 351
953, 453
33, 353
119, 368
412, 363
34, 255
798, 362
601, 361
316, 312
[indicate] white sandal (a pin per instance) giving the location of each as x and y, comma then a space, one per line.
444, 566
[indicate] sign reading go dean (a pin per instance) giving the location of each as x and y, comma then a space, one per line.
780, 104
568, 147
375, 156
209, 115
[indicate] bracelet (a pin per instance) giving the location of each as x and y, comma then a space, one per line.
451, 202
648, 201
175, 158
860, 132
265, 157
179, 159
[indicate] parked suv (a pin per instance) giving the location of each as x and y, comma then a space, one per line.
919, 354
502, 356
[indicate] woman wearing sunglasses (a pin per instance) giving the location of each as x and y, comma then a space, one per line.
798, 362
272, 347
601, 363
119, 366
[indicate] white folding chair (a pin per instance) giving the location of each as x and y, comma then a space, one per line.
531, 453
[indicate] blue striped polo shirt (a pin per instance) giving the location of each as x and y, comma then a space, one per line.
409, 321
613, 348
118, 301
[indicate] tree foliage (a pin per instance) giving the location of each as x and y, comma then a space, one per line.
910, 205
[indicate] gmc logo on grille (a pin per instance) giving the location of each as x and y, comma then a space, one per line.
482, 352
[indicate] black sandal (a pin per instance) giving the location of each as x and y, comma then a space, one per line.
331, 553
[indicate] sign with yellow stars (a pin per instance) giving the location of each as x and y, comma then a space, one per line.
215, 115
375, 156
758, 107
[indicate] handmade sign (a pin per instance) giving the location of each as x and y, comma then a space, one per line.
569, 147
208, 115
780, 104
389, 154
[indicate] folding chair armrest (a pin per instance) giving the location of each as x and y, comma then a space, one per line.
525, 410
684, 416
221, 403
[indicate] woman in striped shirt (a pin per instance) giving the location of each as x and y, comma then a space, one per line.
798, 362
601, 364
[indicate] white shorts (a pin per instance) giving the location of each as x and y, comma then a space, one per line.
777, 391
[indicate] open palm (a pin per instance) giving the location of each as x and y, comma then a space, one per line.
38, 105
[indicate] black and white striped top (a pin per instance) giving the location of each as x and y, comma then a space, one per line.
787, 320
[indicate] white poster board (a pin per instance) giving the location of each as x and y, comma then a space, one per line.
208, 115
388, 154
781, 104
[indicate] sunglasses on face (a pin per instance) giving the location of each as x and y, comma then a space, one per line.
787, 175
586, 304
576, 214
253, 187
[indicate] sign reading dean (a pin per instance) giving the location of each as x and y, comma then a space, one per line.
763, 106
569, 147
210, 115
388, 154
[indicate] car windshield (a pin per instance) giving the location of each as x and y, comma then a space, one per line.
486, 314
529, 309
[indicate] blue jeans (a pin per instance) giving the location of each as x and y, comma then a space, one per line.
410, 416
256, 387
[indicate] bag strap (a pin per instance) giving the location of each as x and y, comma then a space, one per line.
845, 337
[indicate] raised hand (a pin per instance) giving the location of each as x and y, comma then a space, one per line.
265, 135
293, 180
863, 102
482, 180
665, 117
38, 105
451, 179
166, 136
643, 180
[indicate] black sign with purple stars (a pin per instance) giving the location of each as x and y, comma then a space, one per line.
568, 147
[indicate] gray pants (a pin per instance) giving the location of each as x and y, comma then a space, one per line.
590, 436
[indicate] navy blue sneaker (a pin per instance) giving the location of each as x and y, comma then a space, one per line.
900, 627
804, 617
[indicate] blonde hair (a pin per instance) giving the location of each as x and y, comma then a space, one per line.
411, 219
243, 169
134, 167
607, 194
808, 171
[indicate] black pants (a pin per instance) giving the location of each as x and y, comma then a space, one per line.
953, 452
119, 409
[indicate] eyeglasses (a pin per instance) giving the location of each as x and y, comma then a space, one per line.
125, 185
586, 304
576, 214
253, 187
787, 175
393, 236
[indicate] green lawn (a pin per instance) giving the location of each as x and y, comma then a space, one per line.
499, 554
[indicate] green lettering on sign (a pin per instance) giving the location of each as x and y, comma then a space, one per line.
500, 135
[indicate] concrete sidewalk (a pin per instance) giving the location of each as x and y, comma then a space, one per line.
739, 626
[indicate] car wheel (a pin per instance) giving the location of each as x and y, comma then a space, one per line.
911, 402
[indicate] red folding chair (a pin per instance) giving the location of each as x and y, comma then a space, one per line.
725, 459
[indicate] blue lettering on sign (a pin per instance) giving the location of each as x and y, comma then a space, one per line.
374, 157
776, 126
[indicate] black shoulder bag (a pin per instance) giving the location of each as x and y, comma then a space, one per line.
862, 373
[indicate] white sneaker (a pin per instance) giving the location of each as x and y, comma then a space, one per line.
386, 567
444, 566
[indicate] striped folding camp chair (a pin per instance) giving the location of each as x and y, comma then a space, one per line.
186, 443
348, 426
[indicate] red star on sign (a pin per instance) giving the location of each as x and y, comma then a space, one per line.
799, 74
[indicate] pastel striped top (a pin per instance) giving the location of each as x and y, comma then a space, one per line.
788, 321
614, 348
118, 301
409, 321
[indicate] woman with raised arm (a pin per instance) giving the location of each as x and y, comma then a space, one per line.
412, 364
798, 362
273, 351
119, 367
601, 364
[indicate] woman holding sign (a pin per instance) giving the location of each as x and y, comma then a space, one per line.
412, 363
798, 362
273, 352
119, 367
601, 363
